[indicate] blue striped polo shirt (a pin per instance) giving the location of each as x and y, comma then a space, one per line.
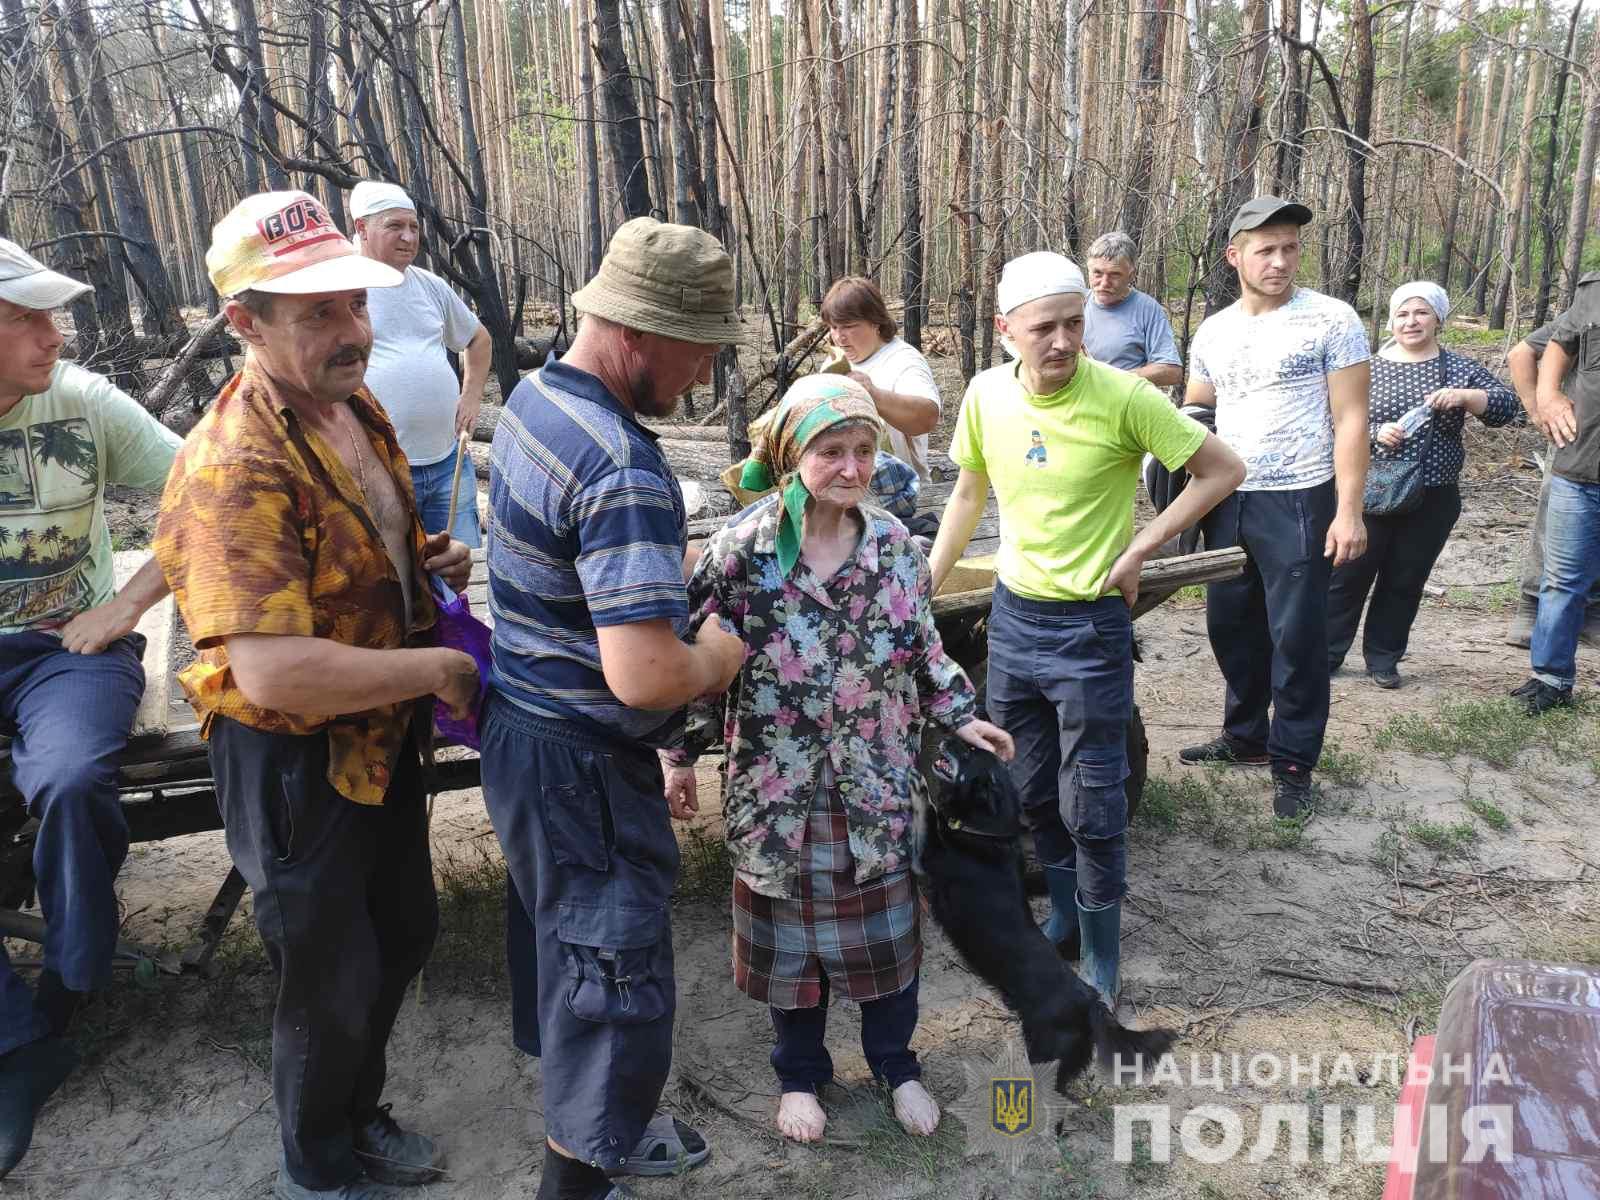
586, 528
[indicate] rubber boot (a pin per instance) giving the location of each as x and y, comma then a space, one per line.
1102, 949
1062, 926
28, 1076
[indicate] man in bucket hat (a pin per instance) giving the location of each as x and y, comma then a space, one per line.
70, 674
587, 540
290, 538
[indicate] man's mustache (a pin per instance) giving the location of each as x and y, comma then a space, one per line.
348, 356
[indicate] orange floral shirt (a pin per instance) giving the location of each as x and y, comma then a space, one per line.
264, 530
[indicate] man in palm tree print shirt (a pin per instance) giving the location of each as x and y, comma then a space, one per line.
70, 673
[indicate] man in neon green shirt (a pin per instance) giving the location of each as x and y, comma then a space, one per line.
1061, 438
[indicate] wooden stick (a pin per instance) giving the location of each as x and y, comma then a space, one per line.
455, 477
1365, 985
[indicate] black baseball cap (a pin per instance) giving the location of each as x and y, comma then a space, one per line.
1267, 210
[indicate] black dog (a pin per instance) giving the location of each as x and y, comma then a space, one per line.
971, 864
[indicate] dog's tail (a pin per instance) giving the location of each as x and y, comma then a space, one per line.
1123, 1050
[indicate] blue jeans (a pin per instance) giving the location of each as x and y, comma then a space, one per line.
1061, 684
70, 714
432, 486
1571, 568
592, 859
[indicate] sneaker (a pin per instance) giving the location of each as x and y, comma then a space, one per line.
392, 1155
1291, 790
1385, 677
1226, 750
29, 1075
1538, 697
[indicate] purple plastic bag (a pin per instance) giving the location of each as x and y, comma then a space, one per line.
458, 629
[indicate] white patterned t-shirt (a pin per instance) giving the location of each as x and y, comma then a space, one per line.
1271, 373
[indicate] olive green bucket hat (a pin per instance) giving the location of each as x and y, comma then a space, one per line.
672, 280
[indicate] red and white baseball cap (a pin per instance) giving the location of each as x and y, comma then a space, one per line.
26, 281
287, 244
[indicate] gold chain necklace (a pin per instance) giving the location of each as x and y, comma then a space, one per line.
361, 463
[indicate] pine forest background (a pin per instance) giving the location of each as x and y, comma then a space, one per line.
922, 142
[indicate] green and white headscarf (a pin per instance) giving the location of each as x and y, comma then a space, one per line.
814, 405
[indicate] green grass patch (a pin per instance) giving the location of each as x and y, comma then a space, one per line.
706, 868
1342, 767
1219, 808
1496, 598
1473, 335
1495, 731
1445, 840
1487, 811
1195, 593
470, 952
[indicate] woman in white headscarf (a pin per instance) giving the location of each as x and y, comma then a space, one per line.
1412, 374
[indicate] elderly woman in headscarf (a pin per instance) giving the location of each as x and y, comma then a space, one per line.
1411, 374
843, 665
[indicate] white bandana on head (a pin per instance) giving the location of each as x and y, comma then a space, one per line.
1421, 289
1033, 276
369, 197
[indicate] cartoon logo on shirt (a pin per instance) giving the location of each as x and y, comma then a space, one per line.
1036, 453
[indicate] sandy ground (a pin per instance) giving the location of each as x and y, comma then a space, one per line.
1420, 859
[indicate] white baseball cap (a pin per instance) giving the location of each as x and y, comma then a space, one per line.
371, 196
26, 281
287, 244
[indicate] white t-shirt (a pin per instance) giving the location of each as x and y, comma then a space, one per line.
58, 450
412, 327
1271, 376
898, 366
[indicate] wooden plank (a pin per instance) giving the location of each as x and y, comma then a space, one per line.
156, 625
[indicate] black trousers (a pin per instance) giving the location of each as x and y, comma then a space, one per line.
345, 902
1269, 627
801, 1058
1400, 554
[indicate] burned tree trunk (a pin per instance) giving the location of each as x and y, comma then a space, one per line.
623, 134
1541, 309
1583, 180
911, 278
1152, 50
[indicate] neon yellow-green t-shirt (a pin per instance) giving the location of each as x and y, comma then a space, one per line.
1064, 468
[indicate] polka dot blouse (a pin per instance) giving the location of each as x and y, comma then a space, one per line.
1398, 386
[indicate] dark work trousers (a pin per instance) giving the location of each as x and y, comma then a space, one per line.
1061, 684
70, 715
801, 1056
1269, 626
592, 858
345, 903
1401, 551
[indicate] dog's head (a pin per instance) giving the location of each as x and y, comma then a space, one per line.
973, 791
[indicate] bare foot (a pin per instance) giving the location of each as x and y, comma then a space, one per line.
800, 1117
917, 1111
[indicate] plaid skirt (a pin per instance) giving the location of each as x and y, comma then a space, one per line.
864, 936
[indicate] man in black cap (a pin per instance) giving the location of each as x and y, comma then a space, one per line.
1287, 370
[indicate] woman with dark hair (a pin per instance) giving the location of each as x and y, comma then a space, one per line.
1421, 395
893, 371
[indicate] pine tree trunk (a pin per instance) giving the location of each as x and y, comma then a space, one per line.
1458, 144
1548, 218
1356, 153
1519, 180
588, 147
911, 263
623, 135
964, 207
1582, 184
1147, 93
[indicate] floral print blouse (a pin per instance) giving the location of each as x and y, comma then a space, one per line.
842, 671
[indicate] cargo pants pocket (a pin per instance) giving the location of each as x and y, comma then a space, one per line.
1098, 805
614, 960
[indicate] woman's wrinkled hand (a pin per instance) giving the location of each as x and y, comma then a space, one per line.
1390, 435
988, 737
682, 791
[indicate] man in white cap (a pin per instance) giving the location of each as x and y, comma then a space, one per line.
70, 673
1061, 439
1287, 370
413, 325
593, 662
291, 541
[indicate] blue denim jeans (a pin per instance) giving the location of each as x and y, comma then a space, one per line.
1061, 683
1571, 568
70, 714
592, 859
432, 486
